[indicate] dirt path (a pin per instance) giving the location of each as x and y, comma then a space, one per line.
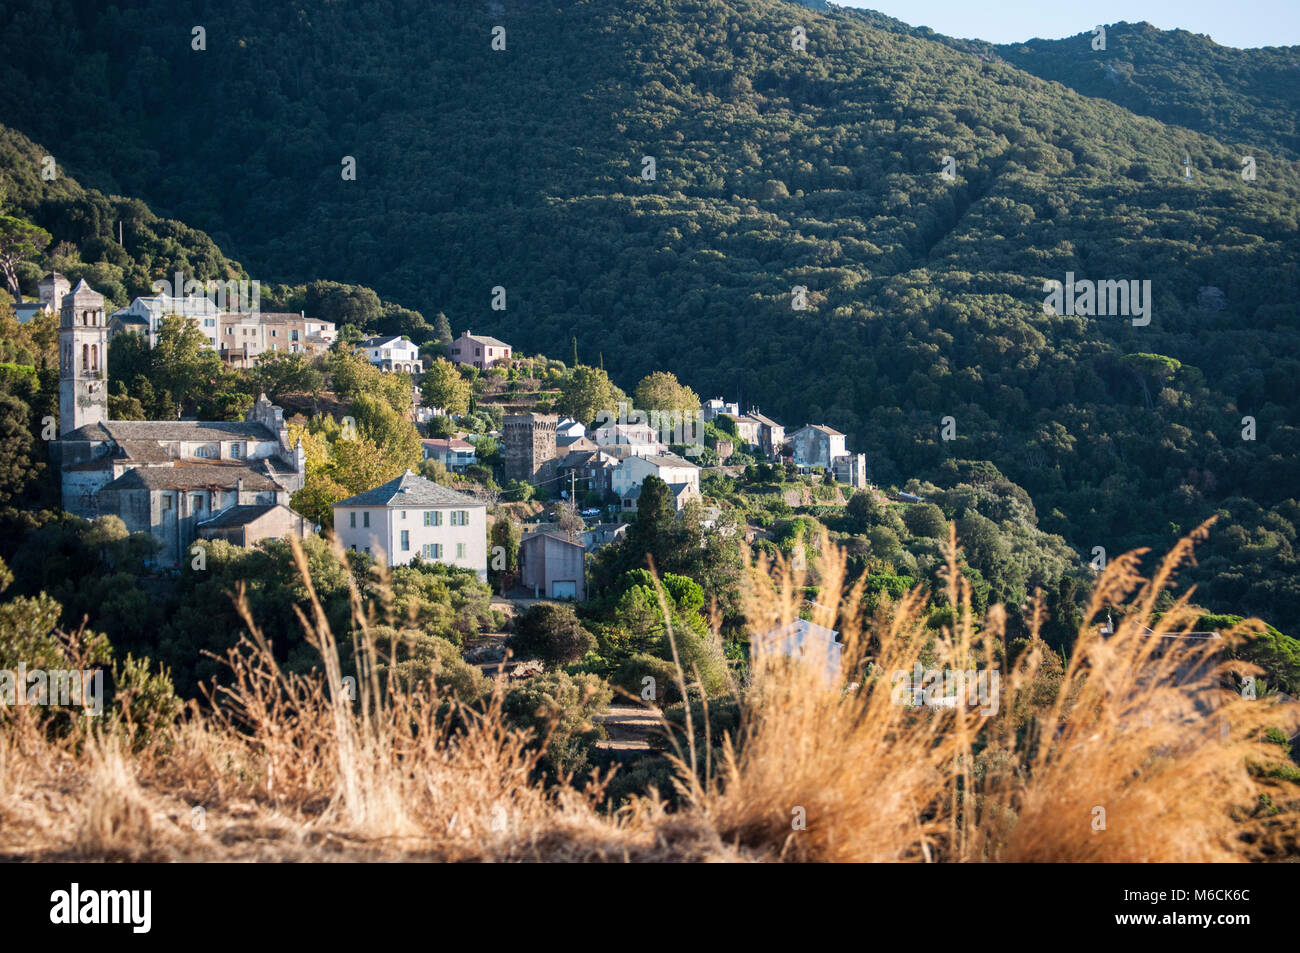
629, 727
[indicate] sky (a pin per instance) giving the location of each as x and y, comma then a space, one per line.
1239, 23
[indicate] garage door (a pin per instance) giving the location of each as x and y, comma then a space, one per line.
564, 589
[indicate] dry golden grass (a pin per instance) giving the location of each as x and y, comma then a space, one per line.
284, 767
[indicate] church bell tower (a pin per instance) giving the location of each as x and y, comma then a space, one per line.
83, 359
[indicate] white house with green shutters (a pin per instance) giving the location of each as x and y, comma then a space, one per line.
410, 517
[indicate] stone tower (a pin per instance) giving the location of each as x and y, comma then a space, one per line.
83, 359
530, 445
52, 288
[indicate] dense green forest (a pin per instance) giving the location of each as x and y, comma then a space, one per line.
774, 168
1247, 97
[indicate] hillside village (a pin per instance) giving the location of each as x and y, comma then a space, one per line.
776, 516
516, 505
500, 482
539, 480
185, 480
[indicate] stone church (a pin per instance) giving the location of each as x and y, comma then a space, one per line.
177, 479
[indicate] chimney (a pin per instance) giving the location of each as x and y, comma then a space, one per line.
239, 489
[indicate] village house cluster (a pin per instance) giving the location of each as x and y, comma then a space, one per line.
240, 337
184, 480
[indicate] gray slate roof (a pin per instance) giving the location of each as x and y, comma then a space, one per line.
484, 339
410, 490
192, 476
125, 430
669, 460
821, 428
381, 341
145, 451
240, 515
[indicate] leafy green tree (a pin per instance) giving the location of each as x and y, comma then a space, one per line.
182, 363
585, 393
662, 391
344, 304
503, 540
19, 241
863, 511
122, 406
1064, 617
397, 437
518, 491
280, 373
445, 388
19, 464
925, 520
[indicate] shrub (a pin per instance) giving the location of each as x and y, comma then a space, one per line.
552, 633
562, 710
518, 491
631, 674
429, 659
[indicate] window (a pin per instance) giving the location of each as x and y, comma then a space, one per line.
236, 450
403, 514
460, 550
166, 501
365, 519
352, 521
197, 502
431, 550
432, 518
459, 517
406, 540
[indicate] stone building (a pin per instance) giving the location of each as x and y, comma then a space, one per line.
165, 477
529, 446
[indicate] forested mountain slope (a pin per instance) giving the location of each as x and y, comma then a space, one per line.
1248, 97
775, 168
